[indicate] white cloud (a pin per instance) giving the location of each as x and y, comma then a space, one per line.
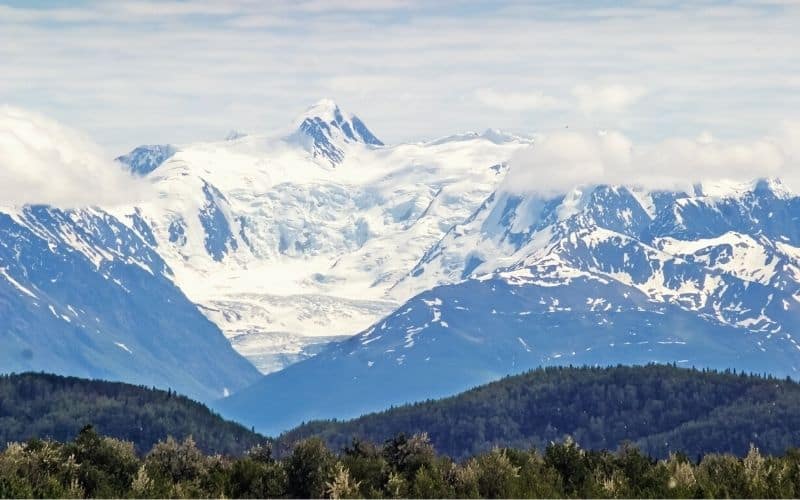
410, 68
789, 138
352, 5
516, 101
43, 162
172, 8
558, 161
678, 161
562, 160
606, 98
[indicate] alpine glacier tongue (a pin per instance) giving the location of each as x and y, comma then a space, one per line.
289, 241
290, 244
600, 275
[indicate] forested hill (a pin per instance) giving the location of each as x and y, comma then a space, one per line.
660, 408
55, 407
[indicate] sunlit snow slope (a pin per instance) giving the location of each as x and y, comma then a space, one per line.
601, 275
84, 293
293, 239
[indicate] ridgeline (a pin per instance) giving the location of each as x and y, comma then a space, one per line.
34, 405
659, 408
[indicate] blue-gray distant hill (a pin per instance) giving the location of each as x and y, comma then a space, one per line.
661, 409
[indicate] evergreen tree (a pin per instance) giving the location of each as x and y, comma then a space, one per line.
309, 469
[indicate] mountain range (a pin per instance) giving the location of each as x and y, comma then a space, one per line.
598, 276
357, 275
292, 239
85, 293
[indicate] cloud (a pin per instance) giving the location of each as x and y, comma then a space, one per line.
789, 138
43, 162
516, 101
411, 67
562, 160
172, 8
606, 98
352, 5
59, 15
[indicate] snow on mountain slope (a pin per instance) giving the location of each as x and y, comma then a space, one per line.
721, 252
84, 293
295, 238
454, 337
599, 275
611, 229
145, 159
324, 128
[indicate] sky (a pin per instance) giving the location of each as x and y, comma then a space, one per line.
44, 162
132, 72
566, 159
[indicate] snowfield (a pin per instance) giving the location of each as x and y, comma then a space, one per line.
290, 239
391, 273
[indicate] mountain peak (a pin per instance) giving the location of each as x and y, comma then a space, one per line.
736, 189
773, 185
324, 128
326, 109
146, 158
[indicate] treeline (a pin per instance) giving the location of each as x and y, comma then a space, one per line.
93, 466
37, 405
660, 408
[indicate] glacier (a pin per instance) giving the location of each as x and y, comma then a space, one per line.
291, 239
358, 275
601, 275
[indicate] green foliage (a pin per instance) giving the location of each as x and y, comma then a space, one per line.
720, 476
408, 455
429, 481
366, 461
257, 475
674, 434
342, 485
309, 469
95, 466
572, 464
660, 408
55, 407
496, 475
176, 470
38, 469
107, 466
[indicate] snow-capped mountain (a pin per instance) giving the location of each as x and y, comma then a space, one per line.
293, 239
84, 293
292, 242
648, 240
145, 159
324, 128
705, 277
